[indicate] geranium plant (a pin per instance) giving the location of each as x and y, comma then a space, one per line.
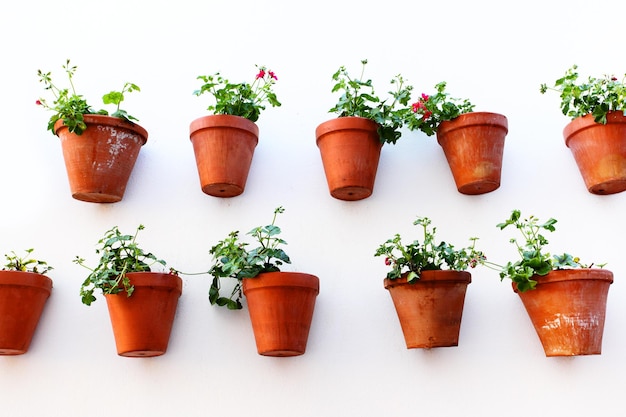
119, 255
359, 99
70, 106
232, 259
240, 99
596, 96
413, 258
25, 263
429, 111
534, 260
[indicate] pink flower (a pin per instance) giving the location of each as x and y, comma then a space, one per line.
261, 74
273, 75
387, 261
425, 97
415, 107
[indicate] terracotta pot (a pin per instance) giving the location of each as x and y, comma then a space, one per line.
473, 144
350, 149
23, 296
430, 310
281, 308
142, 323
224, 147
567, 309
100, 160
599, 151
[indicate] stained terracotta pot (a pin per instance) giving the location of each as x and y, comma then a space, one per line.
430, 310
281, 308
350, 149
568, 309
599, 151
100, 160
142, 323
224, 146
474, 144
23, 296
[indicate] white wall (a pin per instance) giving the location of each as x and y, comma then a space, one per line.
495, 53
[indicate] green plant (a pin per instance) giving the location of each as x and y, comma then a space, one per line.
429, 111
233, 260
358, 103
71, 107
119, 255
242, 99
25, 263
534, 259
596, 96
415, 257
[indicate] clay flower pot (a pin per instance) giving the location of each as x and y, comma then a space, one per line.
281, 308
599, 151
100, 160
142, 323
223, 146
350, 150
430, 310
23, 296
567, 309
473, 144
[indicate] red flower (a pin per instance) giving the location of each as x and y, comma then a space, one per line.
273, 75
613, 78
387, 261
425, 97
38, 102
427, 115
261, 74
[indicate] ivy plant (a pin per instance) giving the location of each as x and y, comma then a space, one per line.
25, 263
534, 260
69, 106
426, 255
119, 255
358, 99
232, 259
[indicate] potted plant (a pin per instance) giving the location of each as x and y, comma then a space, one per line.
141, 301
427, 283
280, 303
565, 299
99, 149
473, 142
224, 142
596, 134
24, 290
350, 144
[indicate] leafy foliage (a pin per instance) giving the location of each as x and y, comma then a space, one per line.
596, 96
430, 110
71, 107
119, 254
242, 99
428, 255
25, 263
359, 100
233, 260
534, 260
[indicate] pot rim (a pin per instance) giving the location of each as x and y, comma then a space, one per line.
102, 119
25, 279
587, 121
430, 277
282, 279
223, 120
474, 119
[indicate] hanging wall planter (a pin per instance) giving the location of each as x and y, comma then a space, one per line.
430, 310
223, 146
568, 309
100, 160
23, 296
350, 149
600, 151
142, 323
281, 308
474, 144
